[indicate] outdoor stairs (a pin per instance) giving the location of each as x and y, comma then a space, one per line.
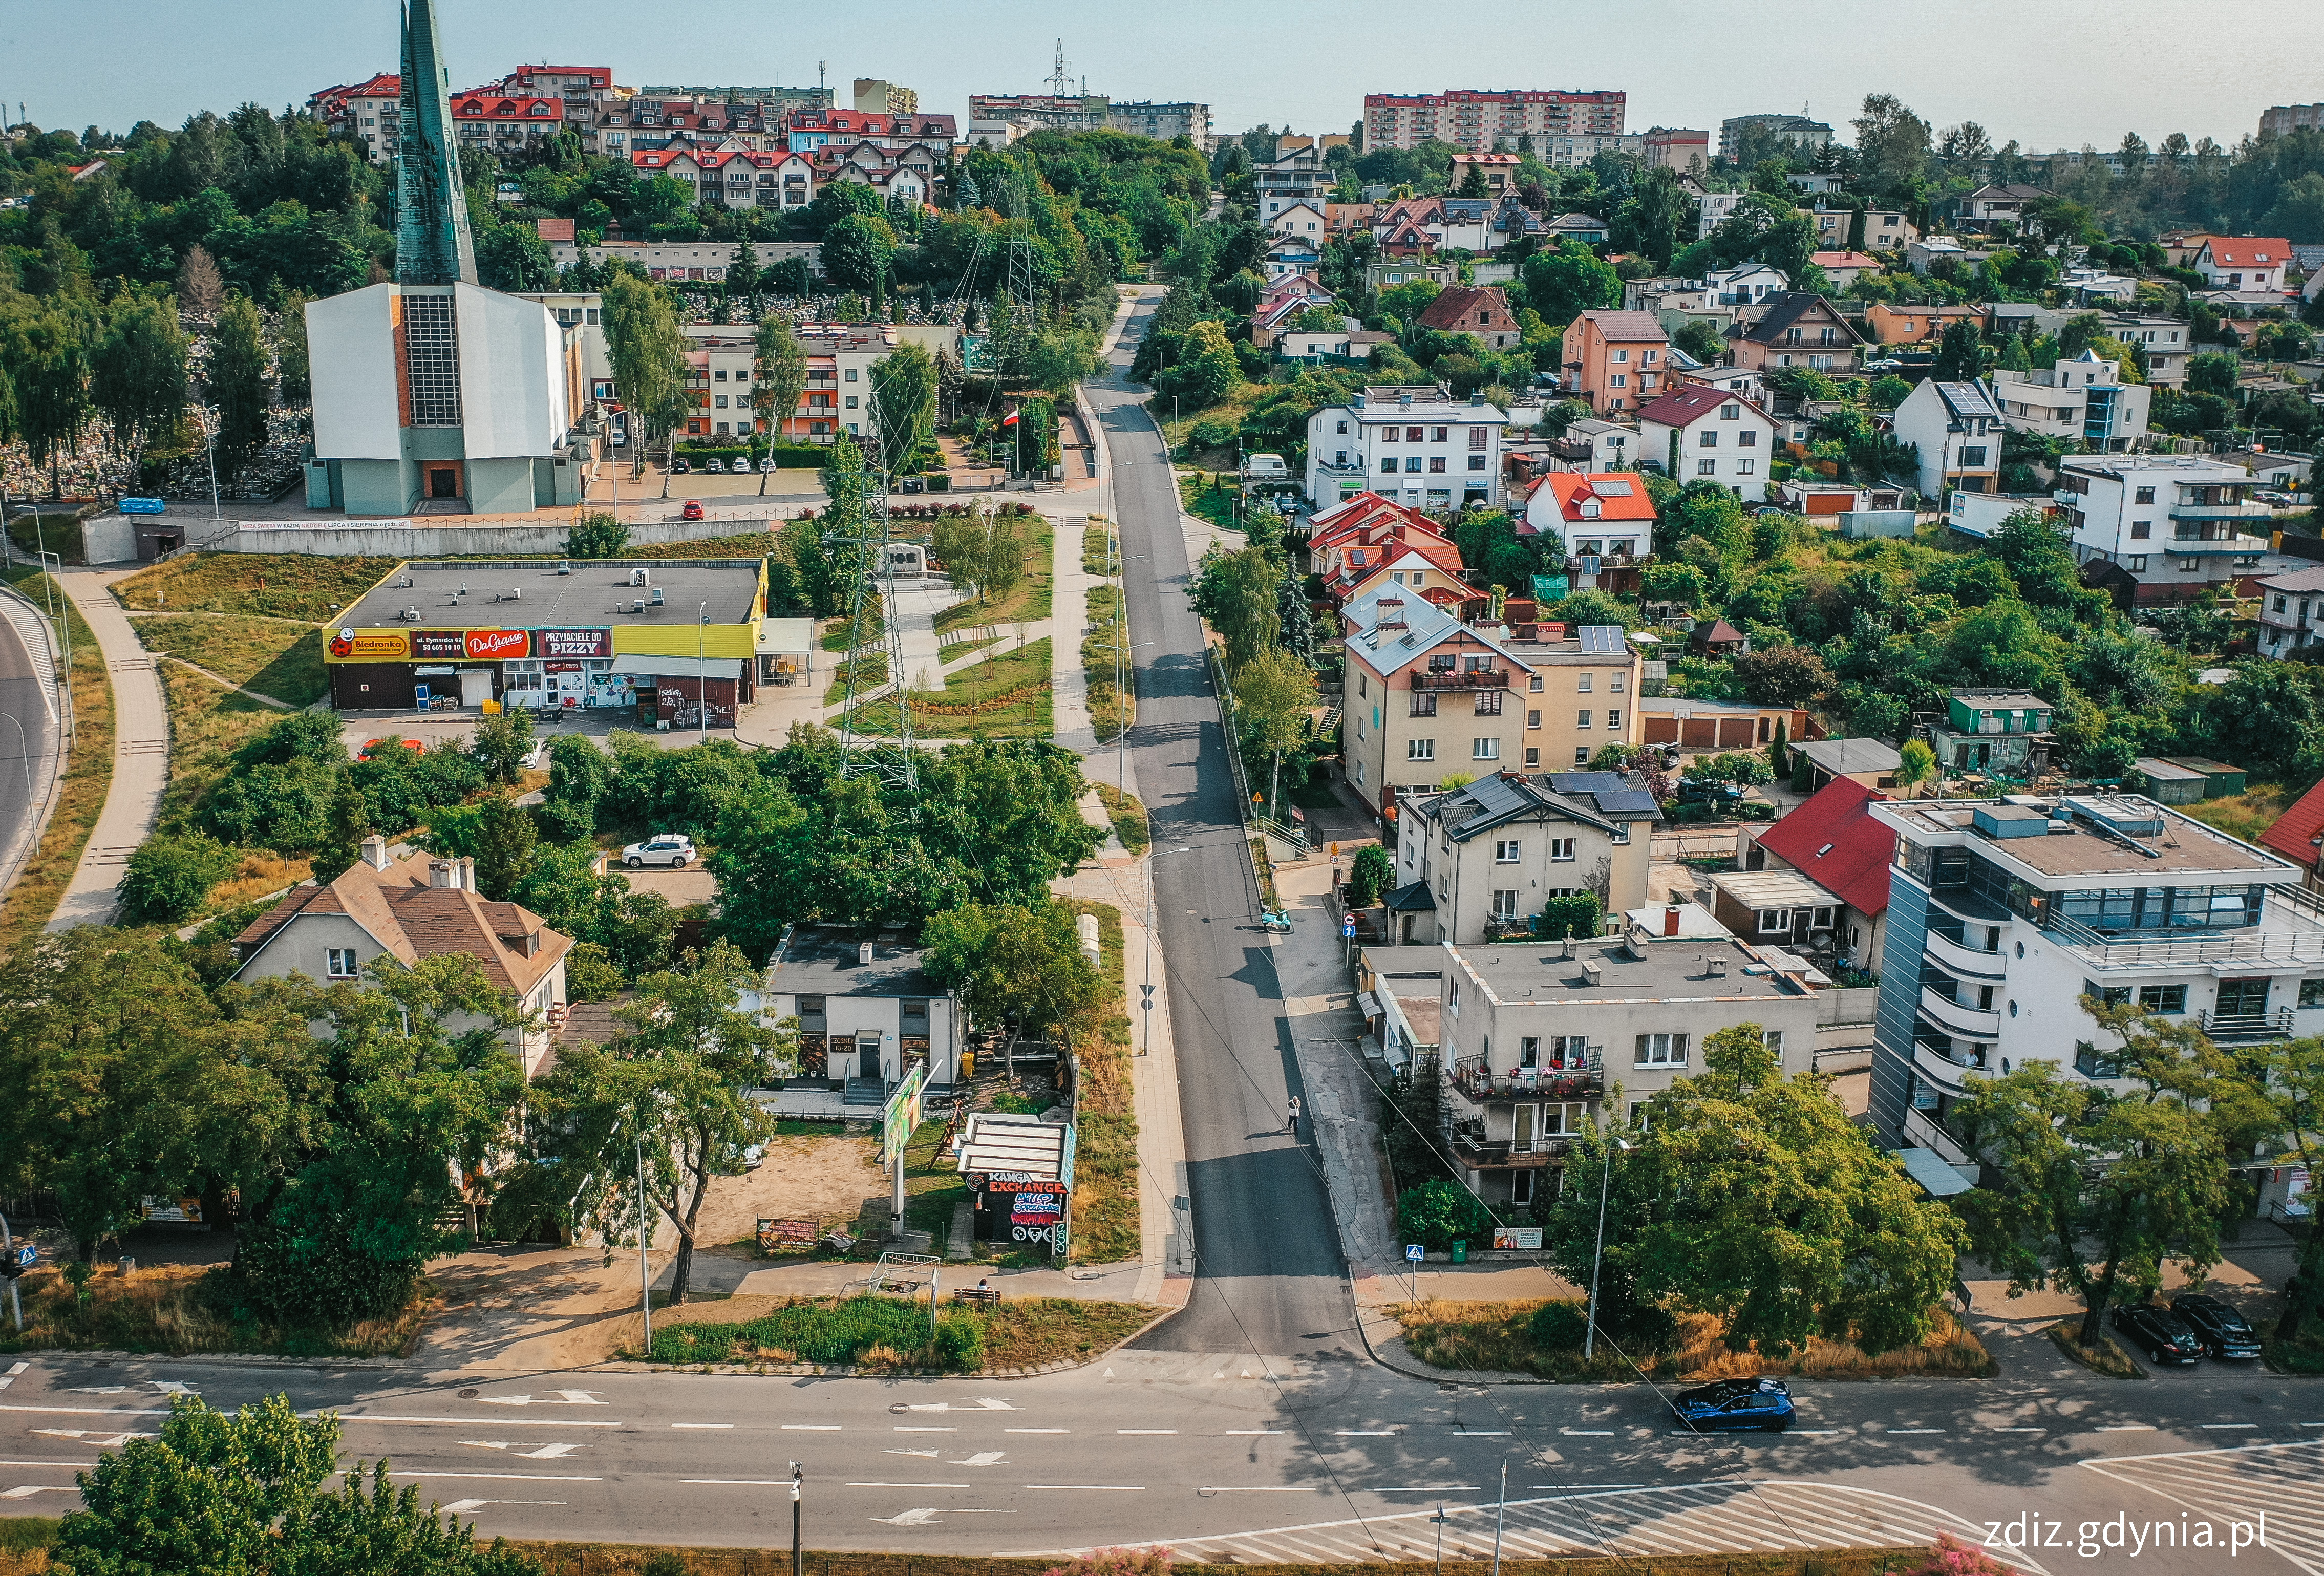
871, 1091
1329, 728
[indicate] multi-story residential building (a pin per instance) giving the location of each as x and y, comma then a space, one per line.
840, 357
1988, 206
1531, 1037
410, 910
810, 129
776, 102
2291, 610
2015, 909
1615, 361
1909, 325
1299, 176
1670, 148
1958, 429
504, 127
876, 96
1885, 229
1706, 433
2176, 523
1091, 111
2162, 340
1419, 446
1498, 171
1710, 207
2283, 119
669, 260
1481, 312
588, 96
2084, 401
1794, 328
867, 1012
1594, 446
1477, 863
1834, 841
2243, 263
370, 112
1428, 695
1607, 522
1486, 120
1797, 130
1843, 269
2003, 732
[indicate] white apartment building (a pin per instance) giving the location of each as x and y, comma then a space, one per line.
2291, 610
1479, 862
2164, 341
1418, 446
1483, 120
1699, 432
2018, 908
2084, 401
1299, 176
2177, 523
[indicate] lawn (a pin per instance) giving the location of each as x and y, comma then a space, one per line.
839, 634
1098, 552
276, 657
1005, 697
932, 1188
1494, 1336
1105, 1158
164, 1309
953, 650
207, 724
892, 1332
1216, 505
867, 671
750, 544
1105, 653
301, 585
88, 776
2245, 815
1027, 601
1129, 817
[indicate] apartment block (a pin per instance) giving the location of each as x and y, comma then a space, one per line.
1482, 121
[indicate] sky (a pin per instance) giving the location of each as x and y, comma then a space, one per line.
2047, 76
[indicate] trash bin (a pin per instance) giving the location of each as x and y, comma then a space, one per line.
1460, 1252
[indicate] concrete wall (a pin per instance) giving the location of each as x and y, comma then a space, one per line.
500, 487
409, 540
352, 349
110, 539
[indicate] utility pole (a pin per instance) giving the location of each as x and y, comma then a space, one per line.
8, 1251
645, 1279
798, 1558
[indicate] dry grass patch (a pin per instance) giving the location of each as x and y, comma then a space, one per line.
207, 724
306, 587
88, 776
1495, 1337
164, 1309
2245, 815
1129, 817
1105, 1228
260, 874
2107, 1357
275, 657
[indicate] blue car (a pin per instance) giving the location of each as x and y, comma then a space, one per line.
1735, 1406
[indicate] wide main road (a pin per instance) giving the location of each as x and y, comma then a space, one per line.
30, 734
1269, 1279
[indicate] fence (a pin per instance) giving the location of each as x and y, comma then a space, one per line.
409, 538
1853, 1006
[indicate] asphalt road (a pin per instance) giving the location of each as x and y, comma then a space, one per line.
1270, 1280
27, 747
1266, 1461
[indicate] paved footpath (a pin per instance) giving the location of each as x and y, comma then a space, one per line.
140, 753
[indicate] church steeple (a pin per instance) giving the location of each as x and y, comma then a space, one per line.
432, 244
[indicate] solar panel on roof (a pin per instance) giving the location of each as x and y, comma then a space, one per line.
1611, 489
1601, 639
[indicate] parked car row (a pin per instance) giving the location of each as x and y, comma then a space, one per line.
682, 467
2194, 1326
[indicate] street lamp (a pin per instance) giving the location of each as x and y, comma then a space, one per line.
24, 750
701, 677
1605, 1182
798, 1558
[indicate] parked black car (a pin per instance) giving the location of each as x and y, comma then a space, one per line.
2223, 1331
1735, 1404
2158, 1333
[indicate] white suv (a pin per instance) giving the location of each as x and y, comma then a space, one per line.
668, 848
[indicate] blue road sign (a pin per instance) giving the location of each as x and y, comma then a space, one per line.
1348, 929
1412, 1251
26, 1255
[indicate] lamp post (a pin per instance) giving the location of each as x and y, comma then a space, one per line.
24, 752
798, 1558
645, 1279
1605, 1182
701, 677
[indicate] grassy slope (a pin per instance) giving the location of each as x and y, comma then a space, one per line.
1105, 1162
297, 585
276, 657
88, 776
1024, 714
1494, 1336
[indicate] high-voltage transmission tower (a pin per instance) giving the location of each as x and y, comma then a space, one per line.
856, 538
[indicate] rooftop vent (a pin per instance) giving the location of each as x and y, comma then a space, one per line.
863, 953
2006, 821
637, 576
2132, 817
1593, 973
1715, 966
564, 567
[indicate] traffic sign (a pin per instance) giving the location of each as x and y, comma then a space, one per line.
1348, 929
1412, 1252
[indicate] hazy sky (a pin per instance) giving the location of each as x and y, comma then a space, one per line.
2048, 75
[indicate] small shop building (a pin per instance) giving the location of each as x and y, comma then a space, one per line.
674, 643
866, 1010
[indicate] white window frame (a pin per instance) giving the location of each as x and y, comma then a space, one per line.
1484, 749
334, 957
1507, 851
1660, 1050
1420, 749
1561, 850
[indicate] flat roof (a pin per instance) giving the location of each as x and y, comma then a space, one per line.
1773, 889
2186, 847
992, 1141
829, 963
595, 594
1659, 971
1842, 756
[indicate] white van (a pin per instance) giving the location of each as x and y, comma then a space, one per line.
1265, 465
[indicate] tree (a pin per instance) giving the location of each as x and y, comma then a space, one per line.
1779, 760
504, 840
201, 290
1295, 618
1274, 692
1699, 338
1892, 144
1368, 875
857, 251
673, 1086
1958, 357
1015, 963
648, 350
1236, 595
777, 378
50, 372
904, 395
1207, 371
597, 536
1564, 283
578, 775
137, 375
2094, 1194
2213, 374
238, 380
2288, 1081
169, 877
292, 366
503, 742
1915, 764
1789, 676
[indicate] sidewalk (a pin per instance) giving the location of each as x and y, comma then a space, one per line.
140, 753
1069, 586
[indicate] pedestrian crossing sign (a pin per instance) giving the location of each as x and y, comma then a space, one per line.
1412, 1251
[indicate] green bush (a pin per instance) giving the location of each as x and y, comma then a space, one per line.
598, 536
1559, 1326
960, 1343
787, 457
1370, 875
1579, 915
169, 877
1438, 1212
827, 1333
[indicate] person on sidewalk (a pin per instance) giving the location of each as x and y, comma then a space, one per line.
1291, 1117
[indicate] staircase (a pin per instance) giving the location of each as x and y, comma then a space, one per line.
871, 1091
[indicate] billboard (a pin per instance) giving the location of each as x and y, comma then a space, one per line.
353, 645
439, 645
902, 1114
498, 645
574, 643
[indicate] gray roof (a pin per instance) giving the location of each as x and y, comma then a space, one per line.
1841, 756
595, 594
1492, 802
823, 960
1658, 971
1413, 897
1616, 794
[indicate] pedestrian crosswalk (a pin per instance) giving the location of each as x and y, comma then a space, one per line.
1726, 1517
2283, 1483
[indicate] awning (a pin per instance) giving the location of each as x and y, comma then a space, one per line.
1414, 897
786, 637
1937, 1177
1002, 1141
728, 667
1368, 1004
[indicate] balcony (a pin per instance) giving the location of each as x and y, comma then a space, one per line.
2288, 936
1472, 1148
1940, 1067
1481, 679
2220, 511
1959, 959
1479, 1082
1923, 1130
2248, 1025
1968, 1022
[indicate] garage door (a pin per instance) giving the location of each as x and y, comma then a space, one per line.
1738, 732
1662, 730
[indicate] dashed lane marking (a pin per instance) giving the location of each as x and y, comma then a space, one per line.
909, 1485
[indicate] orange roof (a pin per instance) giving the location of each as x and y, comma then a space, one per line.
1842, 259
1628, 501
2295, 832
2249, 250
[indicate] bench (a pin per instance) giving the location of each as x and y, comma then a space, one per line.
972, 1294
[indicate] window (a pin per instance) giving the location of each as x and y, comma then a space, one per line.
1744, 468
1662, 1050
1729, 412
339, 962
1533, 757
2137, 563
1484, 749
2312, 992
1533, 718
1618, 382
2142, 495
1436, 464
1614, 719
2189, 565
1343, 426
1774, 1038
1507, 850
1706, 467
1747, 440
1581, 756
1621, 834
1972, 458
1489, 703
1477, 436
1424, 703
1363, 686
1505, 903
1775, 921
1621, 356
2141, 530
1707, 440
1388, 467
1412, 463
1420, 749
1440, 435
1582, 718
1561, 850
1476, 462
850, 405
1412, 433
2167, 999
851, 374
1532, 684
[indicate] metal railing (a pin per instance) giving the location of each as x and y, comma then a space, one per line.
1472, 1147
2257, 944
1481, 678
2246, 1026
1475, 1080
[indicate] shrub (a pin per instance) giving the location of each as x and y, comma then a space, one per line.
1579, 915
502, 742
169, 877
1438, 1212
960, 1343
1368, 875
1145, 1561
598, 536
1559, 1326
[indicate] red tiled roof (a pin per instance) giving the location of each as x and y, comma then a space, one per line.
2249, 250
1469, 306
489, 106
1626, 328
553, 230
1570, 488
1853, 865
1842, 259
1683, 403
2295, 832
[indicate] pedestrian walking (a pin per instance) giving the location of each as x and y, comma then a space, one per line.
1291, 1117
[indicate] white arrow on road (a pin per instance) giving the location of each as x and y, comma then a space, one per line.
562, 1397
983, 1458
462, 1506
924, 1454
99, 1438
101, 1390
175, 1387
547, 1452
906, 1518
982, 1403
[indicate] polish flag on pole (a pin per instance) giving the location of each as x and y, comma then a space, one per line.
1010, 419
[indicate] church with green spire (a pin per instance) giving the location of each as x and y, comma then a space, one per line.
434, 395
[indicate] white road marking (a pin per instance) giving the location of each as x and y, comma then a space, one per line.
1589, 1432
497, 1477
1241, 1432
29, 1489
174, 1387
74, 1464
906, 1518
2125, 1428
391, 1417
1821, 1431
2020, 1431
925, 1455
1916, 1430
983, 1458
462, 1506
1430, 1489
1145, 1431
17, 1367
1364, 1432
1265, 1490
1500, 1433
580, 1398
2219, 1425
92, 1411
100, 1389
106, 1441
741, 1482
729, 1425
907, 1485
547, 1452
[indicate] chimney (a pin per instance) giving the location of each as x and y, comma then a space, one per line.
374, 852
443, 874
863, 954
467, 881
1670, 919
